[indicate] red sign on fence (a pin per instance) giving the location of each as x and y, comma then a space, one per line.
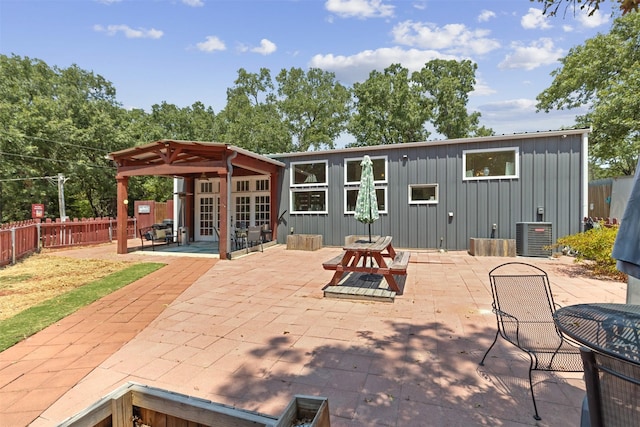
37, 210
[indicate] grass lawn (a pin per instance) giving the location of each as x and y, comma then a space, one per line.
43, 289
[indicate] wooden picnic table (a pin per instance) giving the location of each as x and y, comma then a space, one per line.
376, 257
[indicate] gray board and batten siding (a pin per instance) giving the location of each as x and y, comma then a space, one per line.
550, 186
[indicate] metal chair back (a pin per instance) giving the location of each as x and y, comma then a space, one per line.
254, 236
524, 307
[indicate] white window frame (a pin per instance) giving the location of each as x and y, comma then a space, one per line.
435, 201
292, 166
294, 191
352, 188
516, 169
359, 160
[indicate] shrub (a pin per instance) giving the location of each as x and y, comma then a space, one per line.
595, 245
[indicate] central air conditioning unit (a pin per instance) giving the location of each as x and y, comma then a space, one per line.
533, 239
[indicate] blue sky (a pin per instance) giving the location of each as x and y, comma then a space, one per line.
183, 51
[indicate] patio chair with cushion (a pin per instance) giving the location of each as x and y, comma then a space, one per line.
254, 237
524, 307
613, 390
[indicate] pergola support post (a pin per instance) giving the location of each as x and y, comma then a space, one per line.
123, 214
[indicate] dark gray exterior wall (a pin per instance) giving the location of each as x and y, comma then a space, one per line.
551, 175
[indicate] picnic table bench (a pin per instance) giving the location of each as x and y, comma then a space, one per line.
155, 235
377, 257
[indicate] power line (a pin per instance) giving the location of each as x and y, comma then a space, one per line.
53, 160
27, 179
54, 141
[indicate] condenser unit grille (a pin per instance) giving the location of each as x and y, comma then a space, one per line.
533, 239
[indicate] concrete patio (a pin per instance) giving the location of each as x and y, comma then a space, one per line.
254, 331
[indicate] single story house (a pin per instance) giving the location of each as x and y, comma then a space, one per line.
431, 195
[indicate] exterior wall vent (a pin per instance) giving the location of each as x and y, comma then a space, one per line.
533, 239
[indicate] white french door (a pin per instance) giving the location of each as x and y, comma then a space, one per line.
207, 206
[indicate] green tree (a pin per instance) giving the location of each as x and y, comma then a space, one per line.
447, 85
251, 119
389, 109
56, 121
604, 75
314, 106
551, 6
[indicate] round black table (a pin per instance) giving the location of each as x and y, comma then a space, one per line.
612, 329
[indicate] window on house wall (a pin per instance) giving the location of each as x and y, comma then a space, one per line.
351, 195
206, 187
493, 163
309, 201
353, 170
309, 186
262, 185
309, 174
353, 173
242, 186
423, 194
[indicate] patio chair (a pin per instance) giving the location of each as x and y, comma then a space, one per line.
254, 237
613, 390
524, 308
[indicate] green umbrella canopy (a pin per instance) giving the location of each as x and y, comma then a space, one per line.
367, 202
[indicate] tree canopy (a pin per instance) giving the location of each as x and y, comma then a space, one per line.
551, 6
65, 120
604, 75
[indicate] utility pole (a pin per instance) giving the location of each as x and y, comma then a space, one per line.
60, 181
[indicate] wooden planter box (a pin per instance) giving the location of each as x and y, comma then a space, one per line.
492, 247
304, 242
156, 407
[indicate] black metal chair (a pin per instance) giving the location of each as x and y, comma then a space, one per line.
613, 390
524, 307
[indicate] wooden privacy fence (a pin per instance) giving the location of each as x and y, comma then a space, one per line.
19, 239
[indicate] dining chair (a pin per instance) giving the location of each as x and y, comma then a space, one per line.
613, 390
524, 307
254, 237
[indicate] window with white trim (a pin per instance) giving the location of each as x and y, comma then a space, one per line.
422, 194
351, 195
305, 174
352, 175
309, 201
309, 183
491, 163
353, 170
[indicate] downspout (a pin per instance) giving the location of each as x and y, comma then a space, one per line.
229, 186
585, 177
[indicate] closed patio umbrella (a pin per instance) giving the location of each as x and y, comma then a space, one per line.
367, 203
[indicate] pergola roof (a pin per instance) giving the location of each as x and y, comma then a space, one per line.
190, 158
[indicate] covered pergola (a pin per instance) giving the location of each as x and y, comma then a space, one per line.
191, 160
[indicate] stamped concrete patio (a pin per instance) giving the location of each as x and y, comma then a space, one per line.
254, 331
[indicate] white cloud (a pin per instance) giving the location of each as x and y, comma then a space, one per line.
538, 53
211, 44
108, 2
455, 38
519, 115
593, 21
482, 88
485, 15
359, 8
356, 68
567, 28
193, 3
266, 47
534, 19
130, 33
